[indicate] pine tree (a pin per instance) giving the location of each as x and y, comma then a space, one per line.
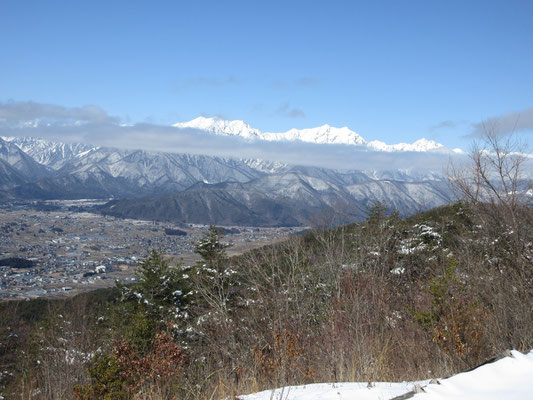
211, 249
162, 291
215, 278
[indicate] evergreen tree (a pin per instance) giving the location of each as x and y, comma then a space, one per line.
211, 249
215, 278
162, 291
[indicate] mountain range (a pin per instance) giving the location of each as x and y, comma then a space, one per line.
215, 190
285, 199
324, 134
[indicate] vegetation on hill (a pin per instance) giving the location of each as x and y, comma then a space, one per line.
386, 299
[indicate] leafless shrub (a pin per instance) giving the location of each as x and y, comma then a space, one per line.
496, 185
59, 353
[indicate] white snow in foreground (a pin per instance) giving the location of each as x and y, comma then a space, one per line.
335, 391
509, 378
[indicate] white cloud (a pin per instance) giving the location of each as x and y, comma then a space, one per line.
101, 129
22, 111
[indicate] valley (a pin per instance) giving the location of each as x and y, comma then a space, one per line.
74, 250
139, 196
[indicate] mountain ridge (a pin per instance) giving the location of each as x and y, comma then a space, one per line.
324, 134
284, 199
208, 189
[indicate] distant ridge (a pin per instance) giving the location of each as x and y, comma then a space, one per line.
324, 134
213, 190
294, 198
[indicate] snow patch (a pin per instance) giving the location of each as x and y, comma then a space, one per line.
508, 378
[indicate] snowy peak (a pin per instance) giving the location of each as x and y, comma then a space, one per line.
20, 161
52, 154
221, 127
420, 145
324, 134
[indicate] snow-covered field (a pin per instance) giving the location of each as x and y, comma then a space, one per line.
508, 378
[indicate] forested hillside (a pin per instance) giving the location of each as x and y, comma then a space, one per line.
384, 300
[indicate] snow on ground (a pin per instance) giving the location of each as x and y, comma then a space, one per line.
334, 391
508, 378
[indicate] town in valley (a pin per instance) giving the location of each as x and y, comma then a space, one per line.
67, 250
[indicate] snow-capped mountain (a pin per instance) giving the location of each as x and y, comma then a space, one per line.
284, 199
51, 154
13, 156
324, 134
222, 127
153, 172
208, 189
420, 145
321, 134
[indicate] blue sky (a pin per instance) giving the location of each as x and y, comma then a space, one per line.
390, 70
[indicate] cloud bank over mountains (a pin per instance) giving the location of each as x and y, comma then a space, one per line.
26, 112
93, 125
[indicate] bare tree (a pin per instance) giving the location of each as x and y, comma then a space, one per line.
496, 183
